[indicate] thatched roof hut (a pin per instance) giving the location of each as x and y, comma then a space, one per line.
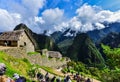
11, 35
17, 38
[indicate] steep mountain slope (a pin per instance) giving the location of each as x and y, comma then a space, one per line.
98, 34
95, 34
64, 39
112, 40
41, 41
83, 49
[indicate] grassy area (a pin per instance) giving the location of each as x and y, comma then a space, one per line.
33, 53
14, 65
22, 66
52, 71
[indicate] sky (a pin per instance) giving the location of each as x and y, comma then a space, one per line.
57, 15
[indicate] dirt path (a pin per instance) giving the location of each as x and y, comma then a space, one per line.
44, 72
60, 73
51, 75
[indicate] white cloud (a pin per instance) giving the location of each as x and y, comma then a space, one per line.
33, 6
114, 17
99, 25
23, 11
39, 20
89, 18
27, 8
50, 18
53, 16
8, 20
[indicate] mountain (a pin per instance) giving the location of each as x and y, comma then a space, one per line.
41, 41
96, 35
64, 39
83, 49
112, 39
60, 36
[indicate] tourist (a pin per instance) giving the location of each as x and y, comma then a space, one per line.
53, 79
47, 79
88, 80
6, 43
2, 69
4, 78
67, 79
58, 79
46, 75
40, 77
19, 78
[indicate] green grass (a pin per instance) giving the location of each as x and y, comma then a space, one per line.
43, 55
50, 70
62, 59
33, 53
14, 65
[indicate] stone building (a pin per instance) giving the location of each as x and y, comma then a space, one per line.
52, 54
17, 38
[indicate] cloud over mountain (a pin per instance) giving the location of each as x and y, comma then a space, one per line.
14, 12
90, 18
87, 17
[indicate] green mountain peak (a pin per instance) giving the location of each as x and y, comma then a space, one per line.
84, 50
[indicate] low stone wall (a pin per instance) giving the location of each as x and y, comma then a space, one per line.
15, 51
36, 59
44, 61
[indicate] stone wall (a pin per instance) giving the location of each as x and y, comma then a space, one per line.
36, 59
44, 61
18, 52
52, 54
26, 42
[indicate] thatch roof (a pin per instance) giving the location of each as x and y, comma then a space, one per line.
11, 35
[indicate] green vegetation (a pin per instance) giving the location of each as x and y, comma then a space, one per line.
82, 69
14, 65
84, 50
112, 61
52, 71
64, 45
33, 53
104, 75
23, 67
113, 56
62, 59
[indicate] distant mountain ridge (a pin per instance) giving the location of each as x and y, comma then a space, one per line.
61, 37
112, 39
96, 35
